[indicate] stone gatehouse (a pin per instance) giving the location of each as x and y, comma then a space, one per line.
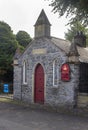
47, 72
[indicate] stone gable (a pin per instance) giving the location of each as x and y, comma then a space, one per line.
47, 71
43, 51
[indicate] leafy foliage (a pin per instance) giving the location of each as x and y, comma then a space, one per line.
8, 45
73, 30
77, 9
23, 38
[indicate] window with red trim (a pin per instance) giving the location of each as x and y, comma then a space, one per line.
65, 72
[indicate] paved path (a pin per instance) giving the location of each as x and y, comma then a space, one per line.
18, 117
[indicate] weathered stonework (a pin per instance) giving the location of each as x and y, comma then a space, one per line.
62, 95
51, 53
17, 82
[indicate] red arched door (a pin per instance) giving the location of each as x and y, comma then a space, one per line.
39, 84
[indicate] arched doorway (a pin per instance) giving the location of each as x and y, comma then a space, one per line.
39, 84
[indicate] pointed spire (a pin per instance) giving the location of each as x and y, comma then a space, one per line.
42, 26
73, 55
16, 57
17, 53
73, 49
42, 19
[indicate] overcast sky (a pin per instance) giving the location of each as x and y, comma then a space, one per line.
22, 15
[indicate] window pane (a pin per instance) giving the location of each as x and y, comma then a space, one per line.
24, 72
55, 73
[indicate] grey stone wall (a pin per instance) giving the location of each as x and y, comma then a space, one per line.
62, 95
17, 82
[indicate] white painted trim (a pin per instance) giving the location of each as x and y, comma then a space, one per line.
24, 73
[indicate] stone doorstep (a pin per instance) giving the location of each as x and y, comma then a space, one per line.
82, 100
10, 96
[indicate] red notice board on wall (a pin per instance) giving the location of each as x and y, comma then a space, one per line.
65, 72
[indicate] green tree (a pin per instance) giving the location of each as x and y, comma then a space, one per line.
8, 45
77, 26
23, 38
77, 9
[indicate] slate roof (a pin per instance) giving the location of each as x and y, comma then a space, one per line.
65, 46
62, 44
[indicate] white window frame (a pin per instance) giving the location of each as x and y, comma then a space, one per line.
55, 70
24, 73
